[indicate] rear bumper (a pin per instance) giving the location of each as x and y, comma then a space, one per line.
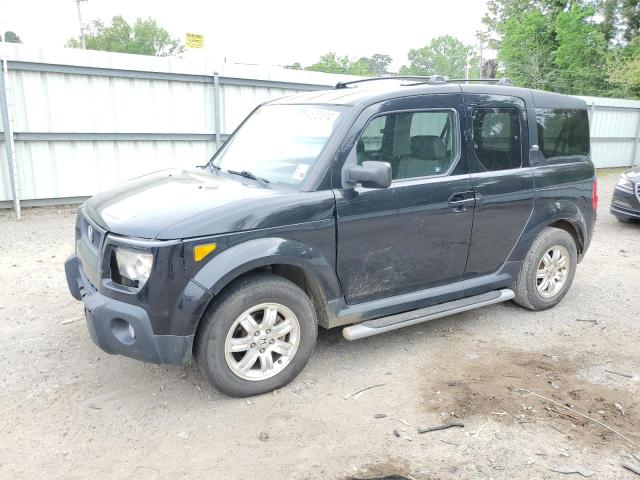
121, 328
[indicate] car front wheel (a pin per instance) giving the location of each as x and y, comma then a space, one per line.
257, 337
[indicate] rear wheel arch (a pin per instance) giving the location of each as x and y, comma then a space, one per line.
573, 230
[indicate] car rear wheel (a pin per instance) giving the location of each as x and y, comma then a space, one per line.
548, 270
257, 337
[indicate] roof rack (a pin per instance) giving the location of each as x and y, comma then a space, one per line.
430, 80
421, 79
498, 81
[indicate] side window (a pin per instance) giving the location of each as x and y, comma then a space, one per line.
372, 136
563, 134
496, 138
416, 144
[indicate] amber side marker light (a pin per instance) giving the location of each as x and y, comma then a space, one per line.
201, 251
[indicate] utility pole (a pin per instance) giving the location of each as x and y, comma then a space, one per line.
482, 38
83, 43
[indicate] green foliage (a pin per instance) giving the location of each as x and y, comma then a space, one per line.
624, 68
379, 64
527, 49
376, 65
330, 63
10, 37
569, 46
620, 20
581, 50
144, 37
630, 13
444, 55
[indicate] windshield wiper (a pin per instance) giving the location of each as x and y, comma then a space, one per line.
247, 174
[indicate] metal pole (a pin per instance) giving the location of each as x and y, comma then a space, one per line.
83, 43
481, 65
216, 107
634, 155
8, 135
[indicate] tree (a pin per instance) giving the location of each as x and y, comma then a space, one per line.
145, 37
527, 49
624, 68
11, 37
580, 56
444, 55
630, 12
330, 63
560, 45
380, 64
364, 66
620, 19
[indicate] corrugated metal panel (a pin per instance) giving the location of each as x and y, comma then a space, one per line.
5, 182
54, 102
236, 102
74, 169
610, 154
615, 125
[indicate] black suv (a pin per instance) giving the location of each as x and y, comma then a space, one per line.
371, 207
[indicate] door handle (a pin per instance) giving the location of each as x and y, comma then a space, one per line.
459, 202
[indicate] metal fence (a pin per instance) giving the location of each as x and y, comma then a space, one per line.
615, 131
79, 122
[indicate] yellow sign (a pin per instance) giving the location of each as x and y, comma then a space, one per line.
194, 40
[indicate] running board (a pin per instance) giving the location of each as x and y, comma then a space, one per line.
394, 322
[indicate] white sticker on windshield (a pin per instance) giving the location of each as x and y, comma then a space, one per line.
301, 171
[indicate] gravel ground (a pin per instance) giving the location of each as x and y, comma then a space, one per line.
72, 411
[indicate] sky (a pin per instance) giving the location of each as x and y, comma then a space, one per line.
263, 32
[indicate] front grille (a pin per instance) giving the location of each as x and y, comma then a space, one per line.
91, 233
638, 191
89, 240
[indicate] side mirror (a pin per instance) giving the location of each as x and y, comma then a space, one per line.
369, 174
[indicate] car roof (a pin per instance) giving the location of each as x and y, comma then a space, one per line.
374, 92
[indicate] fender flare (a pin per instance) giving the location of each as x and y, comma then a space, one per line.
244, 257
560, 210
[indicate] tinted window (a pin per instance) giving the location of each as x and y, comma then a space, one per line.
416, 144
496, 137
563, 133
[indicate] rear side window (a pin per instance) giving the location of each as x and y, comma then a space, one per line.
563, 134
496, 138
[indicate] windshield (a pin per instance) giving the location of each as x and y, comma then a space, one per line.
280, 143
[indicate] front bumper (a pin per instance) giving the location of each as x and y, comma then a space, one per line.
625, 204
120, 328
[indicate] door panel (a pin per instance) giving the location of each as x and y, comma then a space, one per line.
412, 235
504, 196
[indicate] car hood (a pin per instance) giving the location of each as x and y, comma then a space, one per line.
634, 174
175, 204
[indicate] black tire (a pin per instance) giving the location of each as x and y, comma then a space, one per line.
237, 298
525, 286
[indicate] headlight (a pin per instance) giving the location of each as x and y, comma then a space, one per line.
134, 265
624, 183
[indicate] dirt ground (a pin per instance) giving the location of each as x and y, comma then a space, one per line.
70, 411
